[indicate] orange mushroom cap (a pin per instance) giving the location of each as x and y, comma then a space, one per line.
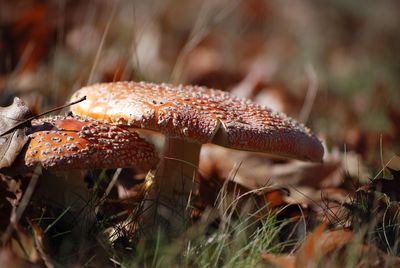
75, 143
199, 114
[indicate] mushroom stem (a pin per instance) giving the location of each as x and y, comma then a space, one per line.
169, 203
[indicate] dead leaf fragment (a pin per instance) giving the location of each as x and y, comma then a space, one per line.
8, 258
12, 143
11, 190
321, 244
287, 261
41, 244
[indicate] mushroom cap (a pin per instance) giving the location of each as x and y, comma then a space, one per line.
75, 143
199, 114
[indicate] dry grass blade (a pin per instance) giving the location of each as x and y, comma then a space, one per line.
109, 188
311, 94
103, 38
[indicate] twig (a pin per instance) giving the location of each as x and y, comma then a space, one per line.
27, 121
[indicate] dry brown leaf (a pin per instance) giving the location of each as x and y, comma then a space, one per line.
308, 250
23, 245
279, 261
9, 259
11, 190
254, 170
12, 143
319, 244
14, 189
41, 244
333, 240
319, 249
275, 198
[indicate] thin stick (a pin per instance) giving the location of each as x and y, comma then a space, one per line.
27, 121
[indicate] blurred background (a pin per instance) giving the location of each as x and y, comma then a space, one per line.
334, 65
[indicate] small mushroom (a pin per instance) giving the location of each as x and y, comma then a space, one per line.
65, 143
72, 144
190, 116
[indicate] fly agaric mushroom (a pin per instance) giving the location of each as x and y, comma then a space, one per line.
75, 143
190, 116
72, 143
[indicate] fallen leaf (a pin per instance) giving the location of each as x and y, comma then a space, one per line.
330, 249
310, 247
23, 245
9, 259
284, 261
12, 143
11, 190
41, 244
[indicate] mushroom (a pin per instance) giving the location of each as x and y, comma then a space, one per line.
190, 116
66, 143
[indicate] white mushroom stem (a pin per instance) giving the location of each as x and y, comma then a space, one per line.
176, 173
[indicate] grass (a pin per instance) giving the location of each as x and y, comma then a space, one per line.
236, 243
234, 233
223, 237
